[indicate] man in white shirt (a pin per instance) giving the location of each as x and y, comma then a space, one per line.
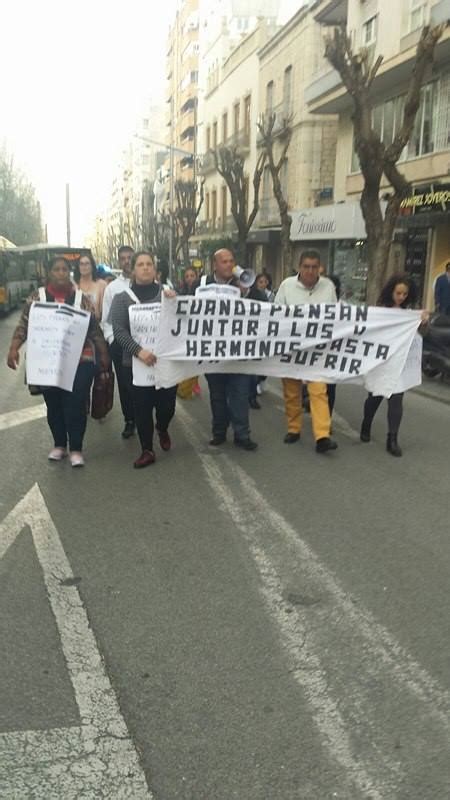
123, 374
307, 287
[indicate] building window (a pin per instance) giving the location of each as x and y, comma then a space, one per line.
207, 206
214, 135
431, 131
247, 111
422, 137
145, 124
417, 10
214, 207
369, 31
287, 88
236, 114
225, 127
208, 138
269, 97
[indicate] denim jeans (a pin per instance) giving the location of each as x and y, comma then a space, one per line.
67, 411
229, 395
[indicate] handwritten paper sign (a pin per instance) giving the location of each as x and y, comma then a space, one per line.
56, 336
144, 325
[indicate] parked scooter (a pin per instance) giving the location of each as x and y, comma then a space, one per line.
436, 347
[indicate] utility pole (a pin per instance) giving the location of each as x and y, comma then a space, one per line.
171, 170
68, 213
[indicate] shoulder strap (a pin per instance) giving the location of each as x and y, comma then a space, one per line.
130, 292
42, 295
78, 298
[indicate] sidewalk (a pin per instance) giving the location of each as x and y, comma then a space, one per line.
435, 389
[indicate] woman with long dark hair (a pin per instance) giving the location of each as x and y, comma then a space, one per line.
85, 277
399, 292
66, 411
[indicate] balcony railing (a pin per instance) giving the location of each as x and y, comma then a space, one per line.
207, 163
218, 225
283, 113
325, 82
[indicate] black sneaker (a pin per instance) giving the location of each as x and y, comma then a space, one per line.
245, 444
325, 445
217, 440
290, 438
128, 430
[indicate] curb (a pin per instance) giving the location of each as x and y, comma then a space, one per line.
424, 392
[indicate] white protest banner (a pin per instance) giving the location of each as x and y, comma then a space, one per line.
55, 340
329, 342
411, 374
144, 323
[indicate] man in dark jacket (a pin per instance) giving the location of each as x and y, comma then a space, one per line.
442, 291
228, 392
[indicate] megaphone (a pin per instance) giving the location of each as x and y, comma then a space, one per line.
246, 277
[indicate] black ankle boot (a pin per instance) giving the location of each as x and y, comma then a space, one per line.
392, 445
365, 430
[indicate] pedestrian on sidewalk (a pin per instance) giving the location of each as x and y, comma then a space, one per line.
307, 287
399, 292
228, 392
442, 292
147, 399
66, 411
123, 374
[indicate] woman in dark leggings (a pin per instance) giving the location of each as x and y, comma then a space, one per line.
398, 292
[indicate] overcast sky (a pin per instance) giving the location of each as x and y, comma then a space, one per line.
75, 77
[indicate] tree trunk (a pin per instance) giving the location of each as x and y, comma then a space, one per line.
185, 250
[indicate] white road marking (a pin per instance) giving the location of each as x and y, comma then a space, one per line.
12, 418
97, 758
344, 708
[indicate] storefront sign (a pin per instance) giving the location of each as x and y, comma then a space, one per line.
337, 221
426, 199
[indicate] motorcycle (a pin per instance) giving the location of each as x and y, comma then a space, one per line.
436, 347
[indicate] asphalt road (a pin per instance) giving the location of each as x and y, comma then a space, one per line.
273, 625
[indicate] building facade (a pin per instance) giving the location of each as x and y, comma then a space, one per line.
421, 242
286, 65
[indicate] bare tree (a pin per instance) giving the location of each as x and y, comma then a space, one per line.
230, 165
376, 157
270, 136
186, 212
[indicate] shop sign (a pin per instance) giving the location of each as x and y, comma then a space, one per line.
337, 221
425, 199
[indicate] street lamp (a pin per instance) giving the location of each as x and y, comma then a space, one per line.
172, 150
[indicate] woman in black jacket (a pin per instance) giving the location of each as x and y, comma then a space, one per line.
399, 292
147, 399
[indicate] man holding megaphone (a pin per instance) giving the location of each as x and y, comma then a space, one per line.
228, 392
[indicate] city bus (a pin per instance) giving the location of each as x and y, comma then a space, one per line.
23, 269
11, 287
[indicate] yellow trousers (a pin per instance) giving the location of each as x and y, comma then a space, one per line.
318, 399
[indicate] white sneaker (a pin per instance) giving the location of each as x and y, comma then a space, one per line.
57, 454
77, 460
